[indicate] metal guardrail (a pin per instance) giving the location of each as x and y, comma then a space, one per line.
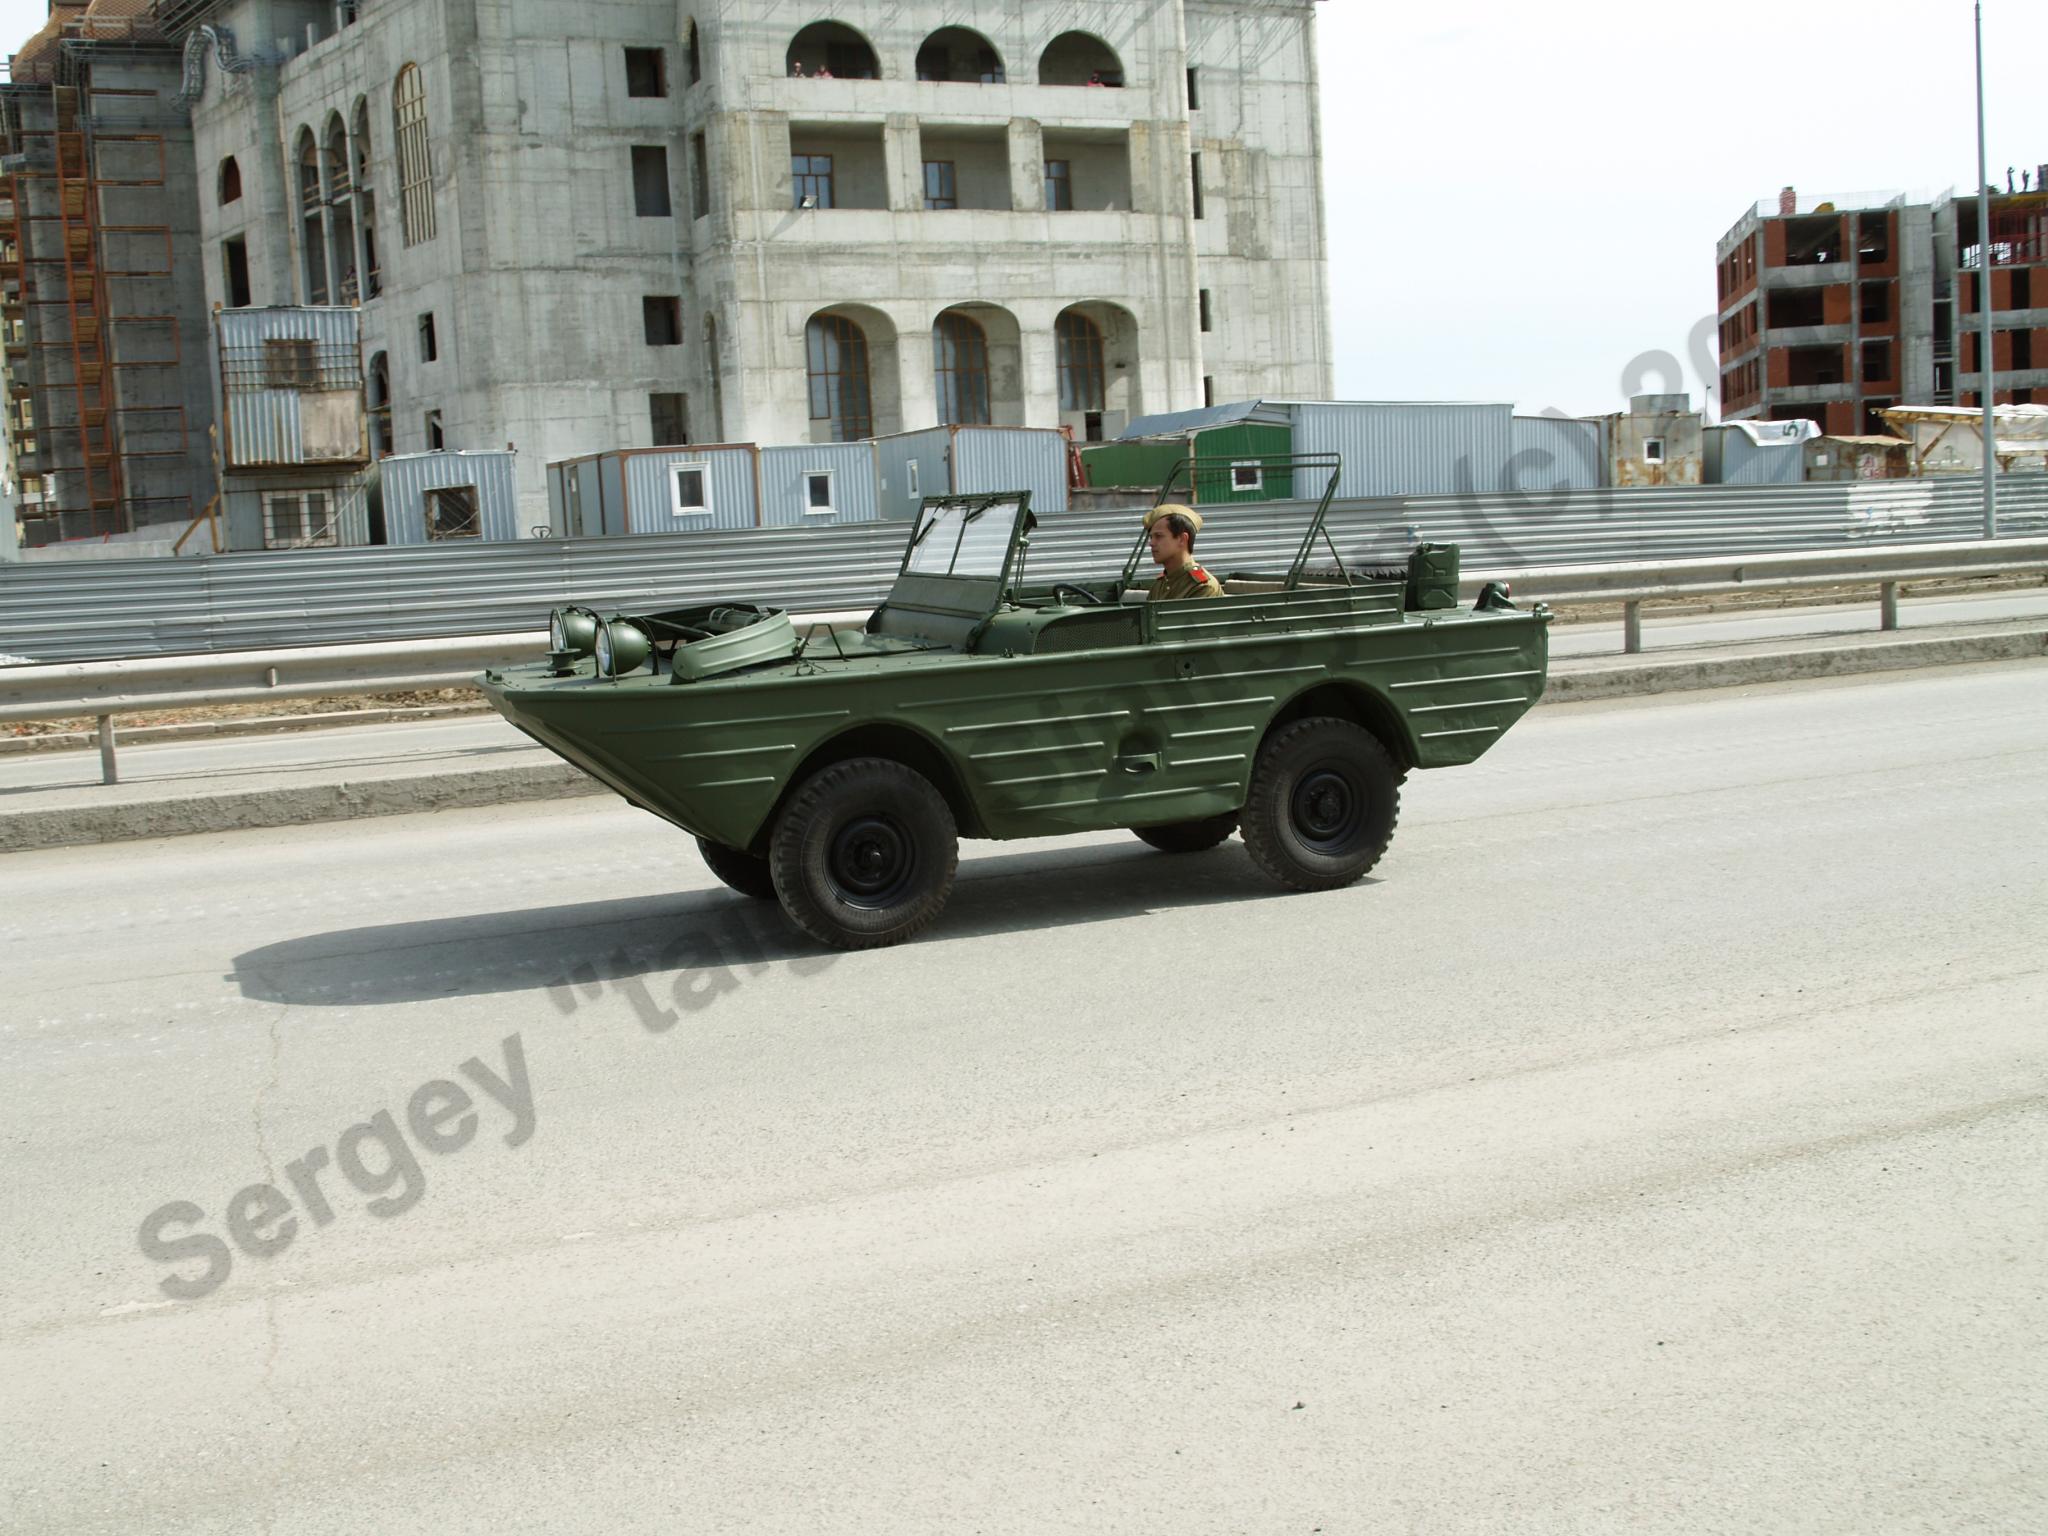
64, 611
104, 689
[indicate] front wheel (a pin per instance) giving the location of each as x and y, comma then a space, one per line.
864, 854
1324, 799
1189, 836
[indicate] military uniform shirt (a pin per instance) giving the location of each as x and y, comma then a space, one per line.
1190, 581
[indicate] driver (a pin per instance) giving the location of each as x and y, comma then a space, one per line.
1172, 529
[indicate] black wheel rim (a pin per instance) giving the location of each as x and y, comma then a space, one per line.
872, 862
1327, 809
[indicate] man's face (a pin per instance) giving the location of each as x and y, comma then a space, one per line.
1165, 542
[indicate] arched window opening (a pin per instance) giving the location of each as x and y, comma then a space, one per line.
230, 181
1077, 58
415, 166
308, 159
359, 132
334, 165
837, 356
312, 227
830, 50
1080, 362
960, 370
380, 404
693, 52
959, 54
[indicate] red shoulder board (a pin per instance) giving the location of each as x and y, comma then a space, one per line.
1198, 573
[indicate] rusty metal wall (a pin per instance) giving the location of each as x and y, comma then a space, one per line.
266, 426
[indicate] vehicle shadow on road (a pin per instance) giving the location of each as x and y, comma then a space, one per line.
587, 945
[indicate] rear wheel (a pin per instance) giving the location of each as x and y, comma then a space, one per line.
744, 872
864, 854
1189, 836
1324, 799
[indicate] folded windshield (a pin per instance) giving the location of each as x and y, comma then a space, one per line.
962, 539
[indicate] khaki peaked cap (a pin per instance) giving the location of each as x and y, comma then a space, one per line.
1194, 518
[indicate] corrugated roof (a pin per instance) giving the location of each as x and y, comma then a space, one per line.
1179, 423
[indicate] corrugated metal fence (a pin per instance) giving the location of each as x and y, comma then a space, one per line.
61, 611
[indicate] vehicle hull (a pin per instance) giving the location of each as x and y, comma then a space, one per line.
1162, 729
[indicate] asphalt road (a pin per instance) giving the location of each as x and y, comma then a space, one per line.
1655, 1143
482, 741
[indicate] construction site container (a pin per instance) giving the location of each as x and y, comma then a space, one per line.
1551, 453
1247, 438
818, 484
654, 490
1409, 448
1755, 452
1859, 458
431, 498
1659, 440
963, 460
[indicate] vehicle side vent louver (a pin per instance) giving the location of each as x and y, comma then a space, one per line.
1089, 631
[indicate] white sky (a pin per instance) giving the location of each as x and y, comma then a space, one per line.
1523, 199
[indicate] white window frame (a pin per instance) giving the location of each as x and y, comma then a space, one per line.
333, 526
675, 489
427, 513
827, 510
1258, 473
1653, 450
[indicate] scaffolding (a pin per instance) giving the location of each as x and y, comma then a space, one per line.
88, 299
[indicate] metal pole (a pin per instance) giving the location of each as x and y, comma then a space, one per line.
1984, 357
109, 774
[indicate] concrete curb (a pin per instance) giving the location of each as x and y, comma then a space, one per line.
1608, 681
408, 794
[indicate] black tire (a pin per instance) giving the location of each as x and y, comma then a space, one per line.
864, 854
1324, 799
743, 871
1189, 836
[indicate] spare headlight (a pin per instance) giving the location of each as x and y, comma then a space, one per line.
621, 647
572, 630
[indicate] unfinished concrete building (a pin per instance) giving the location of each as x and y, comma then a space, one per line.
2016, 257
107, 359
615, 223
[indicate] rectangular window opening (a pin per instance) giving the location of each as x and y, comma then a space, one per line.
298, 520
810, 180
1194, 91
452, 513
818, 493
2022, 288
235, 263
1059, 186
1202, 303
1873, 238
1250, 476
690, 490
910, 484
437, 439
668, 416
1653, 450
650, 181
941, 188
661, 319
1195, 180
1808, 367
1797, 307
646, 72
1877, 362
2022, 353
430, 347
290, 364
1208, 391
1876, 306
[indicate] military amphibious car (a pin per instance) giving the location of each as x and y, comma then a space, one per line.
836, 771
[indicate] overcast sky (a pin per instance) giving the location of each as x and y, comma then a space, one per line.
1523, 199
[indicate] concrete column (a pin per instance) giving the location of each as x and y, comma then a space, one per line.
1041, 377
1027, 165
914, 379
903, 162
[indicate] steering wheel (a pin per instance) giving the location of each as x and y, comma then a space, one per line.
1068, 594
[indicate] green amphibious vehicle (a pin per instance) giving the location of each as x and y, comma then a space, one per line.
836, 771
